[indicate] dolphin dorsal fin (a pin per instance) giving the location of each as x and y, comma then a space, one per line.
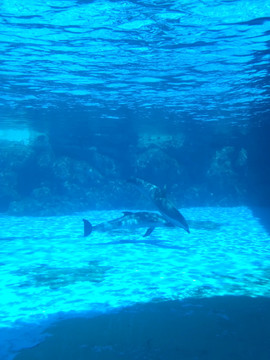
127, 213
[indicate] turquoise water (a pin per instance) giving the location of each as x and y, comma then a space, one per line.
94, 92
49, 271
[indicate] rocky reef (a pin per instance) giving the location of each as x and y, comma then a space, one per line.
49, 177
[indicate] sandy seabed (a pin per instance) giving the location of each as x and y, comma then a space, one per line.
172, 295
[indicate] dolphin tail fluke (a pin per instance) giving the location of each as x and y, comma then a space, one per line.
87, 227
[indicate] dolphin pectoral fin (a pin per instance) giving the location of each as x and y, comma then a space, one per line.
149, 231
87, 227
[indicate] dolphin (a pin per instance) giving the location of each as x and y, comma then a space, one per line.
130, 220
164, 205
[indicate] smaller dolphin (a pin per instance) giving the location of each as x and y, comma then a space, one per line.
130, 220
164, 205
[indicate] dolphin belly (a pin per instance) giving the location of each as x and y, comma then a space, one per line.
162, 203
171, 213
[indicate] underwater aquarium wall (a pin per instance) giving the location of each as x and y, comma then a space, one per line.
81, 160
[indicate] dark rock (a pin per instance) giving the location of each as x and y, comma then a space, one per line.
157, 167
223, 178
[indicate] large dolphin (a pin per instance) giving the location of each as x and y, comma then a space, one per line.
129, 220
164, 205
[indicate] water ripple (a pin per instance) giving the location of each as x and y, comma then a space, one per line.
195, 56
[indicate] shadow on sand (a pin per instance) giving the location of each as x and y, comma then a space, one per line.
218, 328
263, 214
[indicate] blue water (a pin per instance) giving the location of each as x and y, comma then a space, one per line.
205, 60
94, 92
